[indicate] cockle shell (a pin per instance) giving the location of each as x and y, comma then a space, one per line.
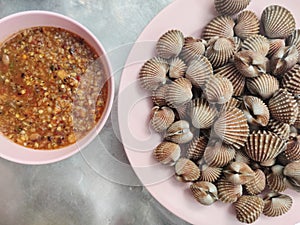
179, 92
256, 111
204, 192
292, 150
283, 107
238, 43
282, 159
277, 204
177, 68
202, 114
250, 63
192, 49
167, 153
257, 184
196, 149
221, 26
297, 122
291, 80
275, 45
283, 60
257, 43
232, 127
217, 154
248, 208
265, 86
179, 132
279, 128
292, 175
241, 156
247, 24
268, 163
218, 90
238, 173
233, 102
186, 170
199, 70
275, 180
159, 95
230, 7
227, 191
237, 80
170, 44
209, 173
161, 118
153, 73
277, 22
294, 39
264, 145
182, 111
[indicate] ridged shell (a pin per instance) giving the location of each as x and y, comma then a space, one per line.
218, 155
204, 192
282, 160
202, 114
230, 7
292, 173
167, 153
256, 111
238, 173
161, 118
297, 122
153, 73
159, 95
292, 150
218, 90
237, 80
182, 111
199, 70
186, 170
248, 208
277, 22
283, 107
177, 68
257, 43
238, 43
192, 49
170, 44
232, 127
268, 163
291, 80
221, 26
233, 102
209, 173
294, 39
196, 149
247, 24
257, 184
264, 86
277, 204
275, 180
264, 145
275, 45
279, 128
179, 132
228, 192
241, 156
220, 50
250, 63
179, 92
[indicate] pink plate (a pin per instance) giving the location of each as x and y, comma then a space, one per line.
189, 16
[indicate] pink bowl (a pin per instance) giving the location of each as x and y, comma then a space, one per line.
16, 22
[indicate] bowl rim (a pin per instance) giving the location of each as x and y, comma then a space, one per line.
91, 135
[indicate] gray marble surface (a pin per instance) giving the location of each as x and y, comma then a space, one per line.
87, 188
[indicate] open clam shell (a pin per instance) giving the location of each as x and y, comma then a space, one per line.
257, 184
257, 43
170, 44
247, 24
167, 153
291, 80
238, 173
177, 68
161, 118
192, 49
277, 204
186, 170
179, 92
221, 26
204, 192
292, 150
196, 149
228, 192
230, 7
275, 180
279, 128
179, 132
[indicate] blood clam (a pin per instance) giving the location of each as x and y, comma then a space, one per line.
230, 7
170, 44
247, 24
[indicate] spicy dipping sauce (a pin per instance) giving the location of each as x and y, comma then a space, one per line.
53, 88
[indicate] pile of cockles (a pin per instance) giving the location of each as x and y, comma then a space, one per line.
227, 107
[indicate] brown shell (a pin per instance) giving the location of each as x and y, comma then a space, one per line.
177, 68
275, 45
237, 80
153, 73
179, 92
292, 175
248, 208
170, 44
228, 192
233, 102
218, 90
196, 149
283, 107
230, 7
192, 49
186, 170
264, 86
182, 111
297, 122
257, 43
179, 132
279, 128
257, 184
277, 204
294, 39
292, 150
241, 156
209, 173
161, 118
202, 114
167, 153
220, 50
204, 192
238, 173
247, 24
277, 22
291, 80
264, 145
159, 95
238, 43
199, 70
282, 159
275, 180
221, 26
232, 127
